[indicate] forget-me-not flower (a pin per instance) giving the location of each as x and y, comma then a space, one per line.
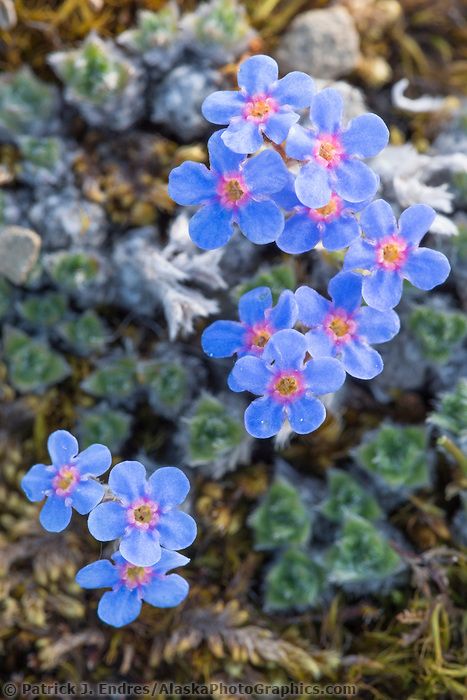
259, 320
343, 328
333, 155
263, 105
145, 515
236, 190
334, 225
389, 253
68, 482
131, 585
287, 384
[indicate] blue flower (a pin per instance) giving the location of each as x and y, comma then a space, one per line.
132, 584
68, 482
235, 191
333, 155
343, 328
263, 105
144, 516
334, 225
389, 253
259, 320
287, 385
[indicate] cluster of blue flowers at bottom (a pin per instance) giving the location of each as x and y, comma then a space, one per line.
138, 511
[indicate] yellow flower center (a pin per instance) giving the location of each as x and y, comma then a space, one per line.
66, 479
328, 209
233, 190
134, 574
286, 386
327, 150
339, 326
143, 514
261, 339
391, 253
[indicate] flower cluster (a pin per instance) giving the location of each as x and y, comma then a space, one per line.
300, 185
141, 513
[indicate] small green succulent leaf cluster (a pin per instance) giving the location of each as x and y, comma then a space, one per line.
451, 412
105, 426
281, 519
27, 104
346, 494
397, 456
84, 334
32, 365
438, 332
361, 552
73, 271
167, 386
294, 581
43, 310
154, 30
115, 379
277, 277
213, 432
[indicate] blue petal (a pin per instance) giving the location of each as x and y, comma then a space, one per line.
256, 74
127, 480
324, 375
95, 460
62, 447
284, 314
382, 289
340, 233
169, 560
169, 486
361, 361
251, 374
426, 268
166, 591
312, 307
355, 181
305, 415
243, 136
261, 222
211, 227
326, 110
286, 349
345, 289
233, 384
295, 90
99, 574
192, 183
55, 514
87, 495
378, 221
140, 547
177, 530
223, 338
107, 521
415, 222
265, 173
319, 343
312, 186
119, 608
365, 136
264, 417
286, 198
300, 143
300, 235
221, 158
253, 305
278, 125
377, 326
36, 481
360, 256
221, 106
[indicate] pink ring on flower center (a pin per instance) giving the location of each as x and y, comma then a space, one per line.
232, 190
340, 326
143, 514
391, 252
287, 386
64, 482
135, 576
328, 151
259, 108
257, 336
329, 212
